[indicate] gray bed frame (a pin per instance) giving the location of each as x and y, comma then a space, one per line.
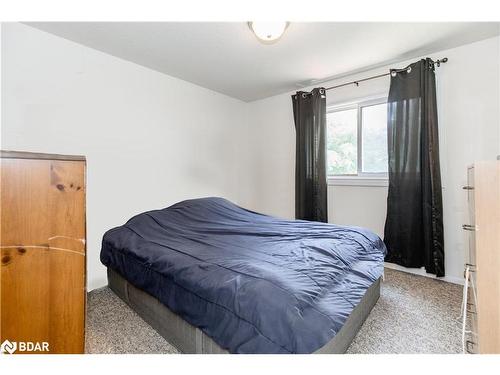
190, 339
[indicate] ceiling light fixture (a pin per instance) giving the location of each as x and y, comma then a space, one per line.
268, 32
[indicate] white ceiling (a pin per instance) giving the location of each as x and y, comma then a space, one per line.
226, 57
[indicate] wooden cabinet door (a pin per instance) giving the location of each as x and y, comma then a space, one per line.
42, 279
487, 203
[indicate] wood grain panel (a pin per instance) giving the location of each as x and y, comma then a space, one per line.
487, 207
42, 279
66, 198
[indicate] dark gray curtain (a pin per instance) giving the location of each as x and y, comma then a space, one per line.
309, 110
414, 224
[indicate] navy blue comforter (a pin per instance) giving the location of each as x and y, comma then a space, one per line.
254, 283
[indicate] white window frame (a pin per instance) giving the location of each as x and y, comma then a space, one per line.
360, 178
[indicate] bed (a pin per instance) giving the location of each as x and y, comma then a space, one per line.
212, 277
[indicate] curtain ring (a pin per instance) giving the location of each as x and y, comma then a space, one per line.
304, 95
394, 73
408, 70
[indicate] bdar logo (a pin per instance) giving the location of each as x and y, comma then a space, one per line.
23, 346
8, 347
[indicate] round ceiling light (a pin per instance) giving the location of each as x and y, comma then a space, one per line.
268, 32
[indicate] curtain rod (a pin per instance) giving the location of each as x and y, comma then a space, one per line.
437, 62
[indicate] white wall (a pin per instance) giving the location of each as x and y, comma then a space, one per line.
364, 206
468, 106
150, 139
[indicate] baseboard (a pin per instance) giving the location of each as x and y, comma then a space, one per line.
421, 272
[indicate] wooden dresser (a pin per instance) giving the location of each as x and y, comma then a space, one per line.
482, 305
42, 229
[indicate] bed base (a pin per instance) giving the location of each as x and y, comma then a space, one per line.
190, 339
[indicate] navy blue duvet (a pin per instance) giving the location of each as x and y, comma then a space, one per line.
253, 283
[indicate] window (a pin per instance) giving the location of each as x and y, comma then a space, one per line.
357, 139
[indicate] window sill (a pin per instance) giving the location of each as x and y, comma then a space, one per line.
357, 181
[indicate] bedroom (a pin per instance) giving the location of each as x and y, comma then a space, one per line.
142, 174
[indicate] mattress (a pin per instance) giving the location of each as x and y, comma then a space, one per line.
191, 340
251, 282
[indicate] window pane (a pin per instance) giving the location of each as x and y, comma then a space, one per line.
342, 142
374, 138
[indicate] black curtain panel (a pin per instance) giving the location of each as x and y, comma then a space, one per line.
309, 110
414, 224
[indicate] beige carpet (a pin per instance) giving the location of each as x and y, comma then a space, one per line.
414, 314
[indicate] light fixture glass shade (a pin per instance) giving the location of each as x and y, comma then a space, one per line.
268, 32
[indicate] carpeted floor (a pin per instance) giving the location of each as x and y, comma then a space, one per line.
414, 314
